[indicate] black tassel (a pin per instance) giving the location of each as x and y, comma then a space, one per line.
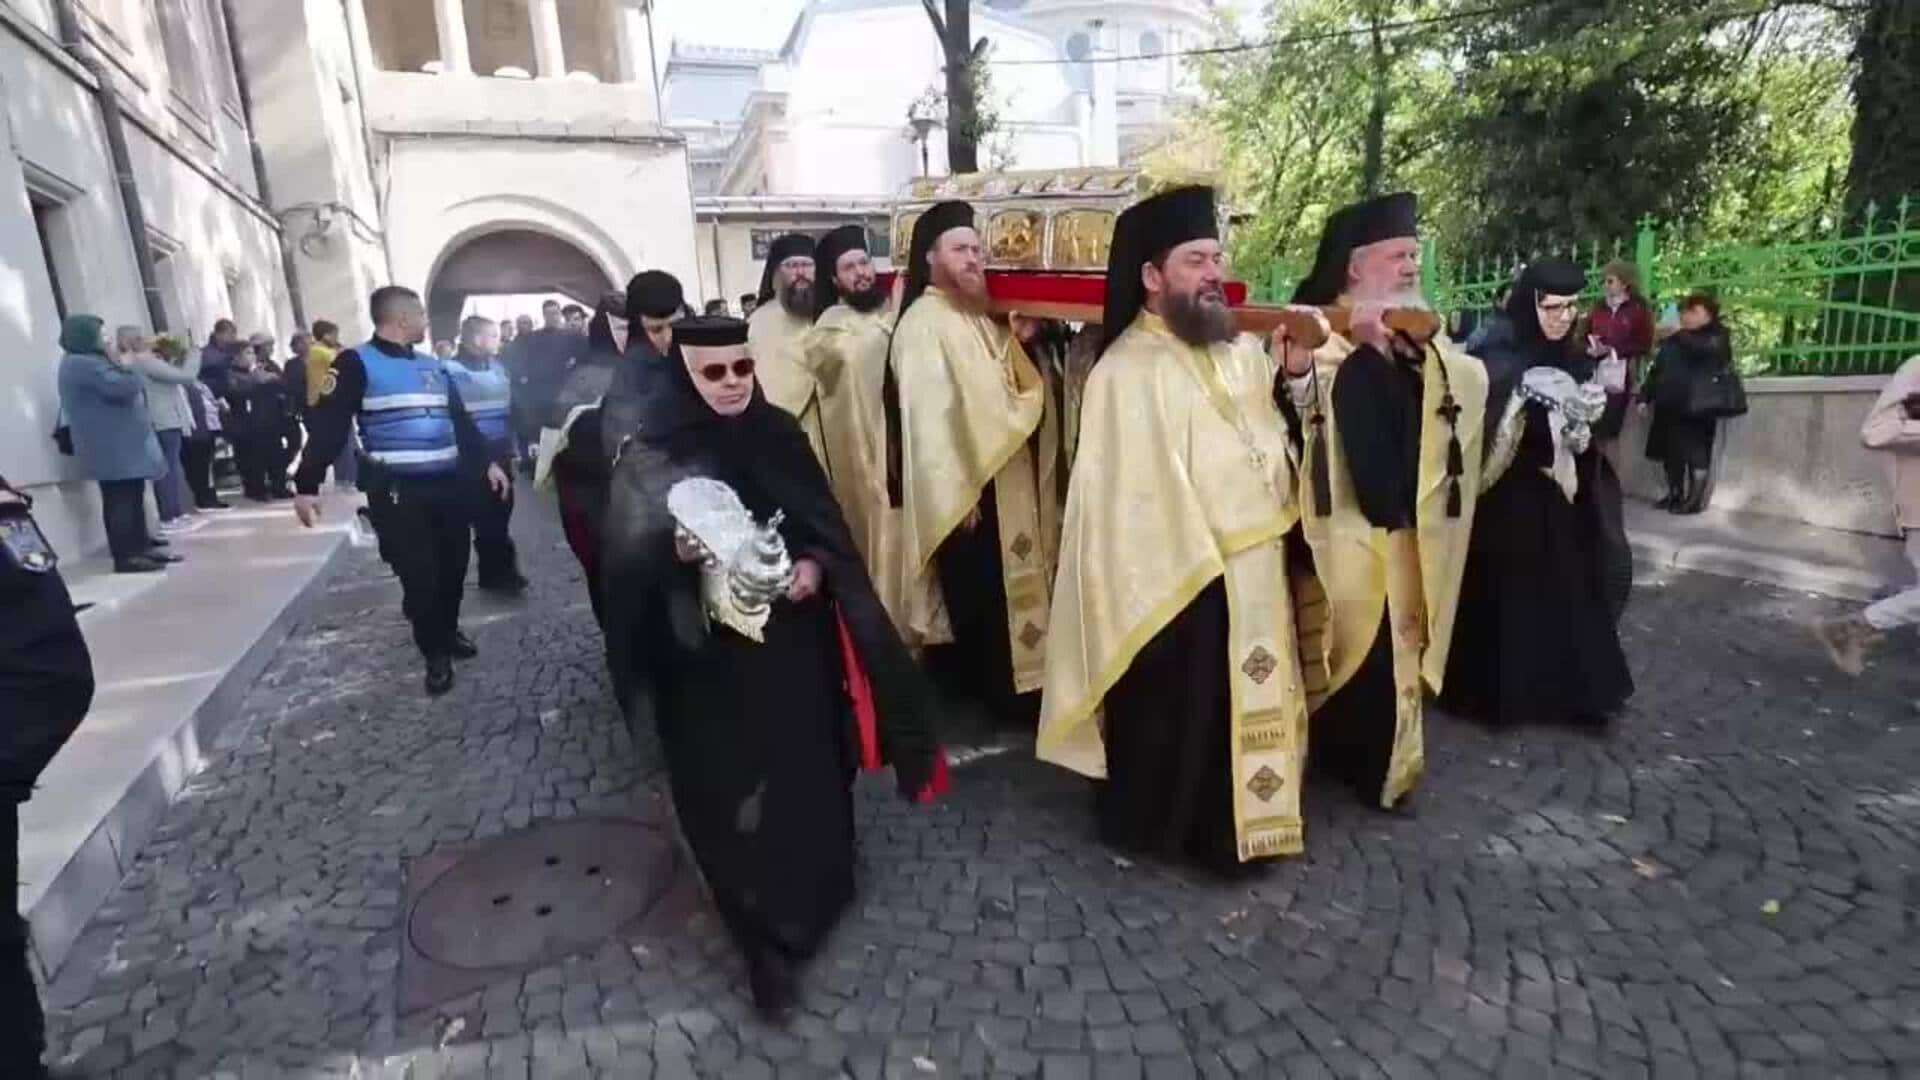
1450, 412
1317, 467
890, 408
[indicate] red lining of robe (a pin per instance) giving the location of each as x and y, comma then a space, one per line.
866, 719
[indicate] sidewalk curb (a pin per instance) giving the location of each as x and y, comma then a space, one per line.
97, 866
1660, 554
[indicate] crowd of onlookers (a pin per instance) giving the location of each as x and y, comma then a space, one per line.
142, 411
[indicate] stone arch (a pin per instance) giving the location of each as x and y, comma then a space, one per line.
519, 244
469, 219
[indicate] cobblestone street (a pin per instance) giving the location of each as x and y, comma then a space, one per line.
1725, 886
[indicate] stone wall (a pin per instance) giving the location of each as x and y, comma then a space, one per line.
215, 248
1796, 455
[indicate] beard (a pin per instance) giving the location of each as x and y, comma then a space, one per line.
1200, 317
867, 299
969, 289
797, 298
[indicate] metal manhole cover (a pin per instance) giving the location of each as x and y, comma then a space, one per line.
541, 893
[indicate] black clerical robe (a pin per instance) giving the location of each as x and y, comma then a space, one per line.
1376, 405
1546, 579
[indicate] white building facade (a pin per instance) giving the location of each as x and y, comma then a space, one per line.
213, 243
454, 146
817, 133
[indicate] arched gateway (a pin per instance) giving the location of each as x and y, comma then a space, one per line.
509, 261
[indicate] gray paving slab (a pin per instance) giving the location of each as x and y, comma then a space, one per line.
1723, 885
173, 654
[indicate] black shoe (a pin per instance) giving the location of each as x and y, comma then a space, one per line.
160, 556
770, 977
214, 504
439, 675
509, 584
463, 647
157, 542
1668, 502
139, 564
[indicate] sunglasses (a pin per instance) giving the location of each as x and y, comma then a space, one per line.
716, 372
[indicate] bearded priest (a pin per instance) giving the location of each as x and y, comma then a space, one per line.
846, 354
778, 329
1393, 438
1174, 670
972, 449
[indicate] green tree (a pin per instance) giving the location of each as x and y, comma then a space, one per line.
1535, 126
1885, 164
966, 71
1294, 144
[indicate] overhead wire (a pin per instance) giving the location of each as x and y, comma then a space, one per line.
1317, 36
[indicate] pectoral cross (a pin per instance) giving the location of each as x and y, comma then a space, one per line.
1449, 410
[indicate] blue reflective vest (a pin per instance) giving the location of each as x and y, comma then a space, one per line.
487, 396
406, 419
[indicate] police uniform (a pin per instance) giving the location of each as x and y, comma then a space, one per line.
46, 686
487, 392
416, 437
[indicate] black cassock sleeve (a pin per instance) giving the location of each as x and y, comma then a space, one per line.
1370, 412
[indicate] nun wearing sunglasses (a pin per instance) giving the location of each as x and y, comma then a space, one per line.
763, 726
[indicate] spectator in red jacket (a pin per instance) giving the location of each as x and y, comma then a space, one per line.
1621, 323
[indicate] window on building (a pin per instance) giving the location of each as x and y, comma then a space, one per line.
222, 47
1079, 46
403, 34
1150, 44
47, 226
588, 39
184, 75
500, 37
167, 275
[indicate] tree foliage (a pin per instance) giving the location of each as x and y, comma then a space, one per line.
970, 117
1529, 125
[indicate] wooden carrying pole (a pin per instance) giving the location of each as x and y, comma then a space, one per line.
1080, 298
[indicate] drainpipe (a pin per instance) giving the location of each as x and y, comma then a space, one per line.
70, 39
245, 88
354, 46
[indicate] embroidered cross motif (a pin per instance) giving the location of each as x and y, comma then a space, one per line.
1449, 410
1031, 636
1265, 784
1260, 665
1023, 546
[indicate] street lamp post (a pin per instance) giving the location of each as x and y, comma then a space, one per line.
922, 117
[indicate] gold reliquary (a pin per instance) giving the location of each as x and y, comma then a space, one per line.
1054, 219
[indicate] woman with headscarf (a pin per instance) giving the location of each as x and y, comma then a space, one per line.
1548, 568
761, 736
105, 402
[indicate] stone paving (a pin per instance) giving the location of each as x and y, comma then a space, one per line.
1724, 887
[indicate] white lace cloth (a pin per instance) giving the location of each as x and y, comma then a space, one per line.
1572, 407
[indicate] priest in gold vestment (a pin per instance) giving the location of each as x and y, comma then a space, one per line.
971, 457
846, 355
1393, 454
777, 333
1174, 673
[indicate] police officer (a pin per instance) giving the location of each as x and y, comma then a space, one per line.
46, 685
487, 392
418, 438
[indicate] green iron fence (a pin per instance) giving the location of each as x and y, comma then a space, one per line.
1842, 303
